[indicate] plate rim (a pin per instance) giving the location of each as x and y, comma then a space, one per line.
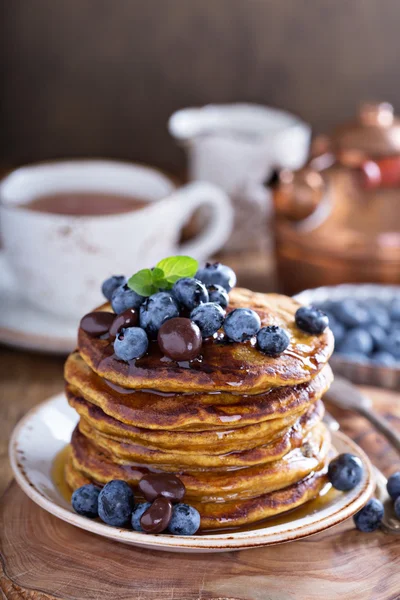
208, 542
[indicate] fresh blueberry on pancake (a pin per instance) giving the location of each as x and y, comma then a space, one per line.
242, 324
129, 318
155, 311
218, 294
85, 501
116, 503
180, 339
393, 485
189, 293
272, 340
209, 317
123, 298
345, 472
111, 284
311, 320
97, 323
185, 520
131, 343
369, 518
217, 274
137, 515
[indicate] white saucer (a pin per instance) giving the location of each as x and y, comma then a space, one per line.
24, 326
47, 428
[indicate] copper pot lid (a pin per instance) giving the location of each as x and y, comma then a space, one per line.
375, 133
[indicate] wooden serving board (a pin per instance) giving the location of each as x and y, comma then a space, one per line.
43, 558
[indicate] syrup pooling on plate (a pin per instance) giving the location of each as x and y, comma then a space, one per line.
325, 498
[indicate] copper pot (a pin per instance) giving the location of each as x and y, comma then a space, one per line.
338, 218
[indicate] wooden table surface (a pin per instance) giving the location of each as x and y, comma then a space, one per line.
44, 558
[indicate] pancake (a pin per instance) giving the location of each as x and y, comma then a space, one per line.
222, 365
216, 516
150, 409
243, 431
279, 447
209, 486
205, 449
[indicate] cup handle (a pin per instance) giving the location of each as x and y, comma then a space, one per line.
220, 224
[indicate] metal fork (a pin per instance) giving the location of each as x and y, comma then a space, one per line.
390, 523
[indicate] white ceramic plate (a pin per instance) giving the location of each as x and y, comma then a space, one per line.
24, 326
47, 428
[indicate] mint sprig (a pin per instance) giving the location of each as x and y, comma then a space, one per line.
166, 272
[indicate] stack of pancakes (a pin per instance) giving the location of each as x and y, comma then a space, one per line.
242, 430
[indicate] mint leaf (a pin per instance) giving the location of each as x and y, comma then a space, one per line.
159, 279
142, 283
149, 281
176, 267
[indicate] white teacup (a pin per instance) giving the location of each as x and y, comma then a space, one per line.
58, 262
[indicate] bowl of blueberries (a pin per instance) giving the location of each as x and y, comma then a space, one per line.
365, 320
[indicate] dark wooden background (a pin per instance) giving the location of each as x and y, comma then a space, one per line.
101, 77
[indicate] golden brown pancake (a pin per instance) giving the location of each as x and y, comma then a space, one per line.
222, 365
209, 486
238, 512
198, 449
149, 409
242, 431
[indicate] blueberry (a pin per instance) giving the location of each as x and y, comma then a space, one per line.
272, 340
383, 358
394, 309
217, 274
111, 284
337, 329
218, 294
357, 340
137, 513
377, 334
326, 306
189, 292
354, 356
311, 319
242, 324
123, 298
209, 317
392, 343
378, 315
393, 485
350, 312
116, 502
397, 507
131, 343
369, 518
155, 310
345, 472
185, 520
85, 501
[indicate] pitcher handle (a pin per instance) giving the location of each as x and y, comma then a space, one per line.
219, 226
